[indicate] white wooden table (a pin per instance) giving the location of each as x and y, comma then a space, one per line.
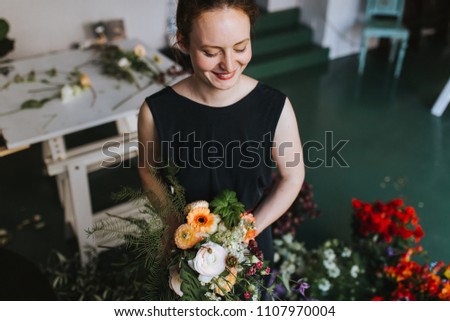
115, 102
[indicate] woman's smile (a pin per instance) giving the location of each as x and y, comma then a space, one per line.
225, 76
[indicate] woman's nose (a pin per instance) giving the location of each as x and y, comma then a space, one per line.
227, 63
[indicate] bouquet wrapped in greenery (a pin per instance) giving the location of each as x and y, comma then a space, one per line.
216, 256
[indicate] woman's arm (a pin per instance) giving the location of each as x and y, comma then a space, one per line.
287, 153
149, 154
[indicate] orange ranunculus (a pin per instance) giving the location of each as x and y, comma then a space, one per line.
227, 283
202, 220
250, 235
248, 217
186, 237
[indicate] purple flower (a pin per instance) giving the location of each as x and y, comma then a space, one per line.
390, 251
300, 287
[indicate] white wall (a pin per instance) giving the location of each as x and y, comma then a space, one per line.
277, 5
343, 28
337, 24
41, 26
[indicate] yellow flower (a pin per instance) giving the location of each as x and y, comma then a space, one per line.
186, 237
447, 273
157, 59
85, 81
227, 283
202, 220
140, 51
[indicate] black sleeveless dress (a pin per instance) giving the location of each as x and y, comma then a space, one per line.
219, 148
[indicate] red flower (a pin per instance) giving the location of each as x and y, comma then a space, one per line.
377, 298
418, 233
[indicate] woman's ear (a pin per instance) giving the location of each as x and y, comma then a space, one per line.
181, 43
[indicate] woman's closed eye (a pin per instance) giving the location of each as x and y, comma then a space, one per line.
240, 50
210, 54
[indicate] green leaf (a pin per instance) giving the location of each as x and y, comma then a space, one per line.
228, 207
51, 72
31, 76
4, 28
191, 286
32, 103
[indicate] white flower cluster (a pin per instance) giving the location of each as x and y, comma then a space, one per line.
290, 253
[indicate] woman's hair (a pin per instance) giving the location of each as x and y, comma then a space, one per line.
189, 10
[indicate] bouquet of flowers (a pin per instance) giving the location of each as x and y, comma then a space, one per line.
216, 256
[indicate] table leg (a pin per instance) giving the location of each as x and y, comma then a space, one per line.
80, 202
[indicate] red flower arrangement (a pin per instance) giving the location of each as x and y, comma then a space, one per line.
388, 220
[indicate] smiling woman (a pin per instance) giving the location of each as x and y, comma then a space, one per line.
218, 106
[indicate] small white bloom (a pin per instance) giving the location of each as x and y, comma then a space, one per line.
291, 268
296, 246
288, 238
66, 93
354, 271
346, 252
329, 264
334, 272
324, 285
329, 254
276, 257
124, 63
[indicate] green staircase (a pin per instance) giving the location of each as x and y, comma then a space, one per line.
281, 44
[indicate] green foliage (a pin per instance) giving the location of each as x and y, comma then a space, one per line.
191, 286
227, 205
4, 28
148, 234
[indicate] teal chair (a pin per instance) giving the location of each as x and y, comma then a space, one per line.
384, 20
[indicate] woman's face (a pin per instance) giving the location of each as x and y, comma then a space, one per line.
220, 47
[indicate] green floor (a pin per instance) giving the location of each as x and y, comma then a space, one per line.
395, 148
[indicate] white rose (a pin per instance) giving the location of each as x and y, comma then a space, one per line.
175, 281
209, 261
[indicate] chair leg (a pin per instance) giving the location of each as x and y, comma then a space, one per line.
401, 56
362, 56
394, 48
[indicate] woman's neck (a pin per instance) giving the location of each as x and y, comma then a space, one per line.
208, 95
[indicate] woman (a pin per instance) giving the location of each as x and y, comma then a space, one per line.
222, 128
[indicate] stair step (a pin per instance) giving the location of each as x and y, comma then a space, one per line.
287, 61
281, 40
277, 20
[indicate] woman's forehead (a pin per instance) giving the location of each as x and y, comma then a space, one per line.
224, 26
